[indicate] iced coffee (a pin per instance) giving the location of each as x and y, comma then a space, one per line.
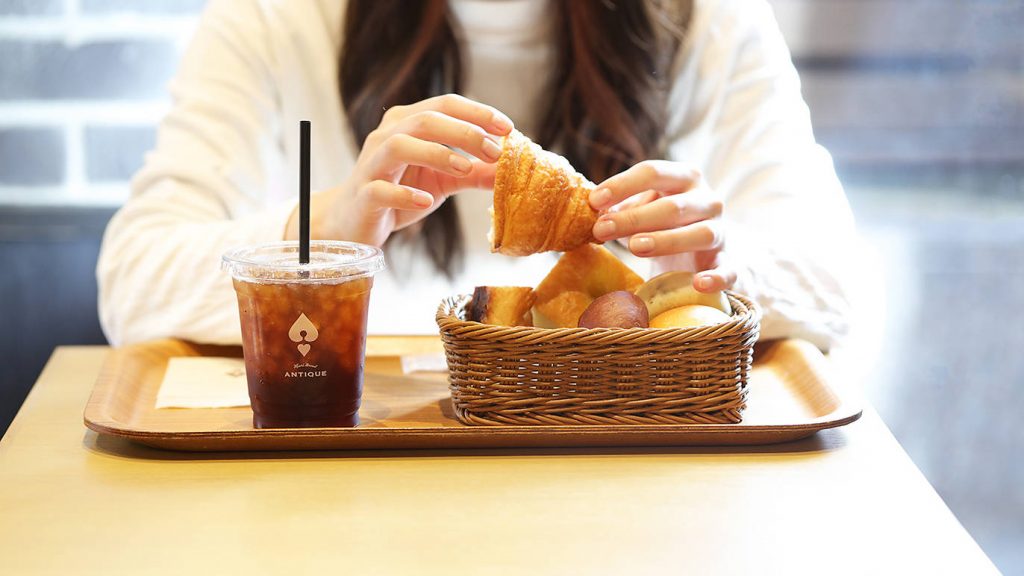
304, 330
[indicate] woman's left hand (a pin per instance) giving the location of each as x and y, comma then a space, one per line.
665, 209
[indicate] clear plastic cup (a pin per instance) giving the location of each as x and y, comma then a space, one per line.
304, 329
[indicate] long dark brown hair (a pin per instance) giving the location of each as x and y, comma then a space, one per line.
607, 107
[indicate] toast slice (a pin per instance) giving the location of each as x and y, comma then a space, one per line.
501, 305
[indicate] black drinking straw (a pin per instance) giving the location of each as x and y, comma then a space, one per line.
304, 192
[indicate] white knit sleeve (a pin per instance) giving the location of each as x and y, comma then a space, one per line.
200, 192
740, 117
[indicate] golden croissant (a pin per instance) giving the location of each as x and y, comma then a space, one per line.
540, 201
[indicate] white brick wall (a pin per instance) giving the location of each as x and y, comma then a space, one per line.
82, 86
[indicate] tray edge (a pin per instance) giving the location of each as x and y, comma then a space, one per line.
847, 412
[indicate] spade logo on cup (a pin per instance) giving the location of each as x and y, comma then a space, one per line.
303, 331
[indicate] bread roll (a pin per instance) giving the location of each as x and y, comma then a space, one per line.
689, 316
579, 277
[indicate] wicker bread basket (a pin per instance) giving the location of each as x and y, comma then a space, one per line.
501, 375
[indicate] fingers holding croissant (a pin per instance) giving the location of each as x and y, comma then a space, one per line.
662, 176
541, 203
665, 209
654, 212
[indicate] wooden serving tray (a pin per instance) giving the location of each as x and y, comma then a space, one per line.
792, 395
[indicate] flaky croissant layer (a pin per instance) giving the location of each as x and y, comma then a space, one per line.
540, 201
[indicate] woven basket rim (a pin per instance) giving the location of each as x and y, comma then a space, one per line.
746, 312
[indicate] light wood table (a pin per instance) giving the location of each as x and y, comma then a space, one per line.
845, 501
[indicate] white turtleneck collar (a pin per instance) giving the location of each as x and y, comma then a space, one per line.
490, 22
507, 52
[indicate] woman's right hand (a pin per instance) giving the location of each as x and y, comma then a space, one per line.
408, 167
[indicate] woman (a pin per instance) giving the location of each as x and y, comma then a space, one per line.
687, 115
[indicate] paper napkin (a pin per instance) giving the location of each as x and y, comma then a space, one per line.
195, 382
424, 363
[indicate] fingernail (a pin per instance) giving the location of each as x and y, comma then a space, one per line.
422, 199
604, 229
642, 244
600, 197
502, 123
703, 283
460, 163
491, 149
